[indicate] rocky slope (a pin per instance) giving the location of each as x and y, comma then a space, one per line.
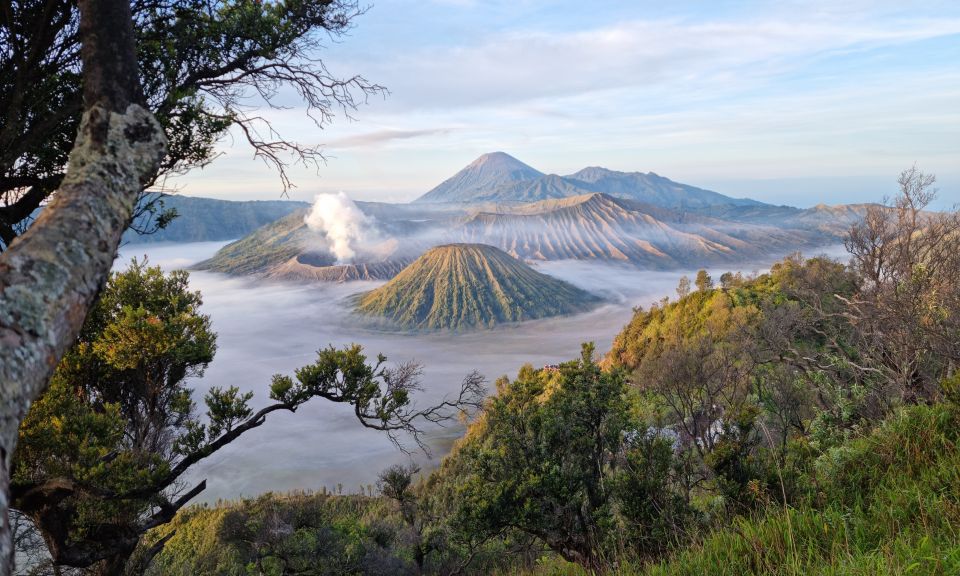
601, 227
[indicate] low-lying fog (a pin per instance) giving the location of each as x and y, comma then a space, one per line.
265, 328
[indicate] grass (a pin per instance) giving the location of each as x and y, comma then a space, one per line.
888, 503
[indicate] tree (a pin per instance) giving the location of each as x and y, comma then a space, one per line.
201, 61
738, 373
102, 453
540, 460
652, 511
396, 483
683, 287
905, 309
50, 276
703, 282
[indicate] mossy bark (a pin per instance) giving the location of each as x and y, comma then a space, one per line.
50, 275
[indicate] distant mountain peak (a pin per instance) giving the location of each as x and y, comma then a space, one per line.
593, 173
487, 172
499, 177
496, 158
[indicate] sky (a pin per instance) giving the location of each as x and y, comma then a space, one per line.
789, 102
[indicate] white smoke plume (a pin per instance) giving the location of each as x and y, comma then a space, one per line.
346, 228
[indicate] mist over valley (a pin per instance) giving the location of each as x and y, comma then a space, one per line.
294, 285
268, 326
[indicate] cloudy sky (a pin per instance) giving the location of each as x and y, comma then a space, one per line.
790, 102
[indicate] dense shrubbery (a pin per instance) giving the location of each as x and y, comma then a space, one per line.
558, 456
316, 534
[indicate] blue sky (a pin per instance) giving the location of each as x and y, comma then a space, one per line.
788, 102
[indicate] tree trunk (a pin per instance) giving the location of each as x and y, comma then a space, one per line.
112, 566
51, 274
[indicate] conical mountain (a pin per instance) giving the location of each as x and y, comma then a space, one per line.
486, 173
467, 286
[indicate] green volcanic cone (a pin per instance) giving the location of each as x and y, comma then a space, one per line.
468, 286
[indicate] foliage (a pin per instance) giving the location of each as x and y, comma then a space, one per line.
906, 307
738, 373
884, 504
104, 426
273, 534
102, 454
200, 61
557, 456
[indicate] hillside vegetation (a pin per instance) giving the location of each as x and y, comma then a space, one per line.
886, 503
466, 286
273, 243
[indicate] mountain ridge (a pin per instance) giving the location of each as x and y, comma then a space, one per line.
498, 177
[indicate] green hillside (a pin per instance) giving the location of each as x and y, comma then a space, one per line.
466, 286
271, 244
209, 219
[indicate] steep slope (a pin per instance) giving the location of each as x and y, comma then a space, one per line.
267, 246
830, 219
466, 286
288, 250
481, 176
546, 187
305, 268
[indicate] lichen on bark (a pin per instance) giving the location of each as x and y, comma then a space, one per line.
50, 275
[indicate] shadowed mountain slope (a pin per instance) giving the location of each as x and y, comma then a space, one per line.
266, 247
652, 189
467, 286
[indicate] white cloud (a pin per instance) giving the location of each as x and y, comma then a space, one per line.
518, 66
379, 137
